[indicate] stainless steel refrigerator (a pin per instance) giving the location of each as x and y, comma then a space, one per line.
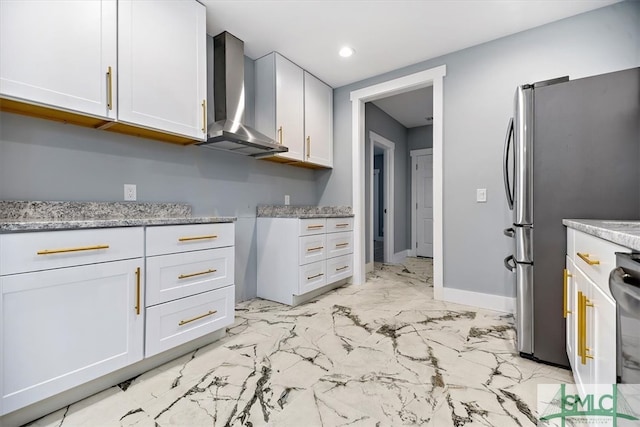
572, 150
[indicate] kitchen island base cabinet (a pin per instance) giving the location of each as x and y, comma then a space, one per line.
298, 257
64, 327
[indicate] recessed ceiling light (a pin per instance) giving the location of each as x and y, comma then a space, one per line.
346, 51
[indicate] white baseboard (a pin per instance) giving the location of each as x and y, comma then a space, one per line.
477, 299
411, 252
399, 257
368, 268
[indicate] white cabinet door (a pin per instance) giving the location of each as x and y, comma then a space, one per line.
290, 108
583, 368
61, 328
601, 321
318, 121
58, 53
162, 65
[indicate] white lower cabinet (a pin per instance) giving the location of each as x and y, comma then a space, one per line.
297, 256
591, 309
64, 327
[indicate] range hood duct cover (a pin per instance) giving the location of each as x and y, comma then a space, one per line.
228, 132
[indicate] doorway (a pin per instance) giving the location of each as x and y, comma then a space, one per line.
422, 202
435, 77
385, 148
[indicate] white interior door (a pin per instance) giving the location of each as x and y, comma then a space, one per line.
424, 206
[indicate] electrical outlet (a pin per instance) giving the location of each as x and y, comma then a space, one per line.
130, 192
481, 195
287, 199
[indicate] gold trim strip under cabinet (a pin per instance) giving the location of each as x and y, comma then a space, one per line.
313, 277
138, 291
193, 319
204, 116
565, 310
317, 248
585, 258
200, 273
188, 239
78, 249
109, 89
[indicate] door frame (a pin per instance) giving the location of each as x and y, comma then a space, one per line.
376, 235
388, 148
414, 195
435, 77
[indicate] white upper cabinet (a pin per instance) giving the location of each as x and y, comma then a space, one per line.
318, 121
280, 103
59, 54
162, 65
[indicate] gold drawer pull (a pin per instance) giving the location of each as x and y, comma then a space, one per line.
583, 350
185, 276
78, 249
204, 116
187, 239
193, 319
280, 135
109, 89
138, 291
339, 245
342, 225
313, 277
312, 227
317, 248
566, 311
585, 258
342, 268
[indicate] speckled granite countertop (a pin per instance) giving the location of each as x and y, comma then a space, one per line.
40, 216
624, 233
282, 211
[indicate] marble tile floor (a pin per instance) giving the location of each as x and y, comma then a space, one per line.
381, 354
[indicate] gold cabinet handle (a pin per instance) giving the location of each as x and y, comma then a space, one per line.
78, 249
188, 239
583, 350
138, 291
342, 268
280, 135
200, 273
193, 319
340, 245
317, 248
313, 227
204, 115
566, 311
345, 224
313, 277
579, 337
109, 89
308, 147
585, 258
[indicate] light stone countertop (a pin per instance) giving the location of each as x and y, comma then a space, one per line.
288, 211
624, 233
54, 215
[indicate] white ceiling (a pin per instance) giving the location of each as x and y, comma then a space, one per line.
386, 34
411, 109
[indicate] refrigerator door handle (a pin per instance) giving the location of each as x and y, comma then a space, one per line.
505, 164
509, 265
509, 232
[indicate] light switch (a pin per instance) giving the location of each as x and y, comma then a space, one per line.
481, 195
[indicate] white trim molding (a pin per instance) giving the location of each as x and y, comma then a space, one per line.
389, 148
414, 195
399, 257
477, 299
432, 77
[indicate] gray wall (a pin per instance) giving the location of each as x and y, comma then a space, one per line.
478, 100
420, 137
44, 160
384, 125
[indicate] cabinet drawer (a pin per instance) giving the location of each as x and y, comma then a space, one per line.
171, 239
339, 224
339, 268
339, 244
311, 276
312, 226
23, 252
174, 276
594, 249
312, 248
176, 322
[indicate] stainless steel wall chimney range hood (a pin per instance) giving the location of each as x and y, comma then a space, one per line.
227, 131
